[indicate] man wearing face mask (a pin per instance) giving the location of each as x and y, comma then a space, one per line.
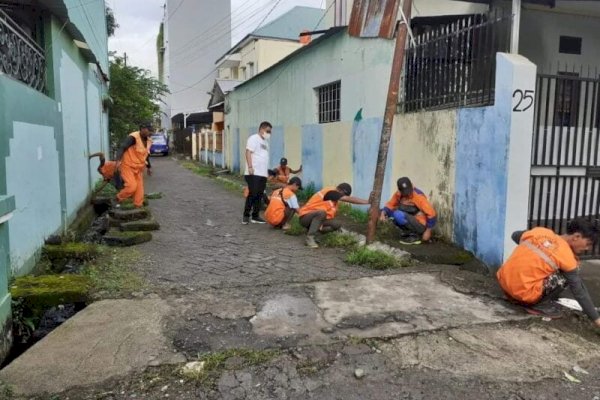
257, 171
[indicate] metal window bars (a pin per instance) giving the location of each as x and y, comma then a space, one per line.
329, 102
453, 65
20, 57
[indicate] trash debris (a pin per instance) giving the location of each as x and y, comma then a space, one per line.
546, 319
164, 388
580, 370
193, 369
359, 373
569, 303
571, 378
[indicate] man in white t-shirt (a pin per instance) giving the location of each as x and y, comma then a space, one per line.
257, 171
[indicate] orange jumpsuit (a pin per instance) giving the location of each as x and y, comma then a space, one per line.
108, 170
132, 170
318, 203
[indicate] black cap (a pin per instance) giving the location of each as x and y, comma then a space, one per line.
283, 161
147, 124
296, 181
346, 188
405, 186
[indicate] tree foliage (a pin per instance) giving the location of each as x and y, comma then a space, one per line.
135, 95
111, 23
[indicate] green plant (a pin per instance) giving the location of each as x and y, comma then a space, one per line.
295, 228
199, 169
336, 239
215, 363
111, 275
23, 323
354, 214
305, 194
373, 259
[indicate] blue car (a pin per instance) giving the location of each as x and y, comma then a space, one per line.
160, 145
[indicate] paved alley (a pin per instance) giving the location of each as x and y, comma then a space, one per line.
281, 321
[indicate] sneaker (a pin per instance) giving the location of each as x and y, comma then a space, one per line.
545, 309
257, 220
310, 242
411, 239
286, 227
245, 220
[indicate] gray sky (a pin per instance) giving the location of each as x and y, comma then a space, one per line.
139, 21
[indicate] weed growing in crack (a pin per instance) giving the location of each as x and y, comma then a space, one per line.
216, 363
354, 214
373, 259
199, 169
111, 275
336, 239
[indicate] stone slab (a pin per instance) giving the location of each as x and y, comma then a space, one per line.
109, 338
130, 215
142, 225
401, 304
116, 238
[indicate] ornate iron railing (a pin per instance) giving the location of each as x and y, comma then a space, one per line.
20, 57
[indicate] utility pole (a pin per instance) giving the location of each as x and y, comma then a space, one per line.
125, 58
388, 119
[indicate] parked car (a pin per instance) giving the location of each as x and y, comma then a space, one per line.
160, 145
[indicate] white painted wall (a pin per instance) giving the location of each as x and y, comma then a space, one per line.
540, 35
521, 74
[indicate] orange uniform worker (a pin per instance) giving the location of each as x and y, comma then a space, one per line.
319, 212
283, 172
108, 171
283, 204
411, 211
544, 264
133, 160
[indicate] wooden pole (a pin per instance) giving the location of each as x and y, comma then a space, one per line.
388, 120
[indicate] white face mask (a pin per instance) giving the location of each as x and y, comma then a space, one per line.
267, 136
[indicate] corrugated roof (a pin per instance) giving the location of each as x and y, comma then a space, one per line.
227, 85
292, 23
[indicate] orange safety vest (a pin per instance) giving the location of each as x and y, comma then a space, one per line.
283, 174
136, 155
108, 170
540, 254
318, 203
275, 212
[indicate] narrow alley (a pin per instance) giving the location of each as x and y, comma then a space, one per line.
273, 319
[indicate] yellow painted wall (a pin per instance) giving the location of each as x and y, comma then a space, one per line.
272, 51
337, 153
424, 150
293, 145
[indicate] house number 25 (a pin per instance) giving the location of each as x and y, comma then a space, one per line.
524, 100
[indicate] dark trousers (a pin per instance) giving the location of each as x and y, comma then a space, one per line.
288, 214
313, 221
408, 223
256, 188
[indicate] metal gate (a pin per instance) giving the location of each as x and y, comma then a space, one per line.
565, 173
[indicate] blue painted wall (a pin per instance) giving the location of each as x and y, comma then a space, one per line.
481, 165
312, 155
365, 139
276, 146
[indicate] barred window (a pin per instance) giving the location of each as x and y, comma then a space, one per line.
328, 97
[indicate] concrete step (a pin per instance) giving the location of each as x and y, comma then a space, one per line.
130, 215
116, 238
141, 225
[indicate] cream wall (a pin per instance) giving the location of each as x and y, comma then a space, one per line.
424, 149
337, 153
271, 52
293, 145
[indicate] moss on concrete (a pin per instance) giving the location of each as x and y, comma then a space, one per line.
336, 239
142, 225
112, 275
373, 259
117, 238
130, 215
73, 250
45, 291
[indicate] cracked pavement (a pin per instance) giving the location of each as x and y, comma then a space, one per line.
422, 332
